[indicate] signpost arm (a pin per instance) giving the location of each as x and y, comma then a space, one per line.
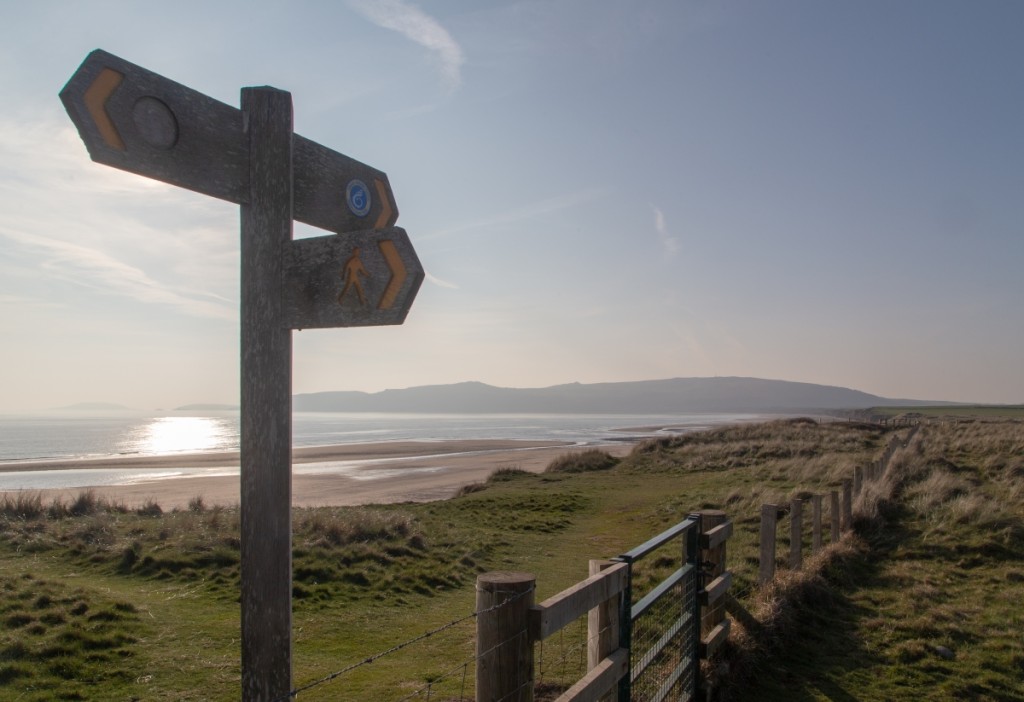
266, 229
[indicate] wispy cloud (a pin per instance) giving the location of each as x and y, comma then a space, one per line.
669, 242
530, 211
413, 23
21, 302
103, 273
440, 283
67, 219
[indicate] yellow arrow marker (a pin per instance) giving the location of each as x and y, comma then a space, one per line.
384, 218
398, 273
95, 97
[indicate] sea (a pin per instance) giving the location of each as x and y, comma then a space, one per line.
70, 436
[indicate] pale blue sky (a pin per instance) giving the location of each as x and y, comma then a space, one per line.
599, 191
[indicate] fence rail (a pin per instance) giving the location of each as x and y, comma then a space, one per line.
840, 518
638, 647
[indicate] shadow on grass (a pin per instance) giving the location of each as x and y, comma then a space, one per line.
808, 647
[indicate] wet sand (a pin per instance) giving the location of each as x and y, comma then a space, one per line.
348, 474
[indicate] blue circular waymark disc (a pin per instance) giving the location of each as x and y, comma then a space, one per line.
357, 195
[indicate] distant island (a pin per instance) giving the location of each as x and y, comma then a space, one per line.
670, 396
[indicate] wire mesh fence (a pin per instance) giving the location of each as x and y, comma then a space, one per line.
665, 626
560, 660
663, 655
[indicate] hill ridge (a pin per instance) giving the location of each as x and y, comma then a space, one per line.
669, 396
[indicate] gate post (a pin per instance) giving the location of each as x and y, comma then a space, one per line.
602, 626
713, 565
504, 663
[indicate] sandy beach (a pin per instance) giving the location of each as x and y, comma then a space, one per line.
348, 474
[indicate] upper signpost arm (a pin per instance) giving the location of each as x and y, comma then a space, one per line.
133, 119
136, 120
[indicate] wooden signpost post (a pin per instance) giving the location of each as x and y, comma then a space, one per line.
365, 274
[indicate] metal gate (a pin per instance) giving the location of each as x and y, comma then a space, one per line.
661, 629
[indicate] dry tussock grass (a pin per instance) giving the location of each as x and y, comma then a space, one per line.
582, 462
798, 441
761, 629
770, 614
340, 527
962, 482
966, 473
937, 488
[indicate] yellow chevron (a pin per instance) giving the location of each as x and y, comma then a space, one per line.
95, 97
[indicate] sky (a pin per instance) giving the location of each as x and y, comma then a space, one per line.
598, 191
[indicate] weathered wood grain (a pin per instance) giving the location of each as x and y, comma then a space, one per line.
599, 680
554, 613
266, 401
504, 661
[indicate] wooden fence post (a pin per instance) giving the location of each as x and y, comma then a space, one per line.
602, 626
714, 565
816, 540
504, 651
769, 516
847, 504
834, 515
858, 480
796, 534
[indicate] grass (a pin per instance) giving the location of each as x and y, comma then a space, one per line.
60, 639
924, 601
103, 602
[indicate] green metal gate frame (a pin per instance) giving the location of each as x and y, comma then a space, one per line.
675, 655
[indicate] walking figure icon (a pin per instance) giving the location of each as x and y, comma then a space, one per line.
350, 274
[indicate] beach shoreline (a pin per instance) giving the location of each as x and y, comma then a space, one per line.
322, 476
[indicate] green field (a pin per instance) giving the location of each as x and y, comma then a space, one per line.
99, 602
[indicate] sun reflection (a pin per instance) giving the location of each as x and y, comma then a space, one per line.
177, 434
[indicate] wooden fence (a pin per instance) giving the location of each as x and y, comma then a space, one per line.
840, 517
510, 624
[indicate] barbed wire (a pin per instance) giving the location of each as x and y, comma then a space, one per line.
464, 666
578, 647
405, 644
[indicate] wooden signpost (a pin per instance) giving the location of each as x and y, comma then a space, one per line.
367, 273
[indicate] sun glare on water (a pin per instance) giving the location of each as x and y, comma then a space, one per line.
178, 434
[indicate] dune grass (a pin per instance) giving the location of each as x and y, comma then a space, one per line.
104, 602
923, 601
